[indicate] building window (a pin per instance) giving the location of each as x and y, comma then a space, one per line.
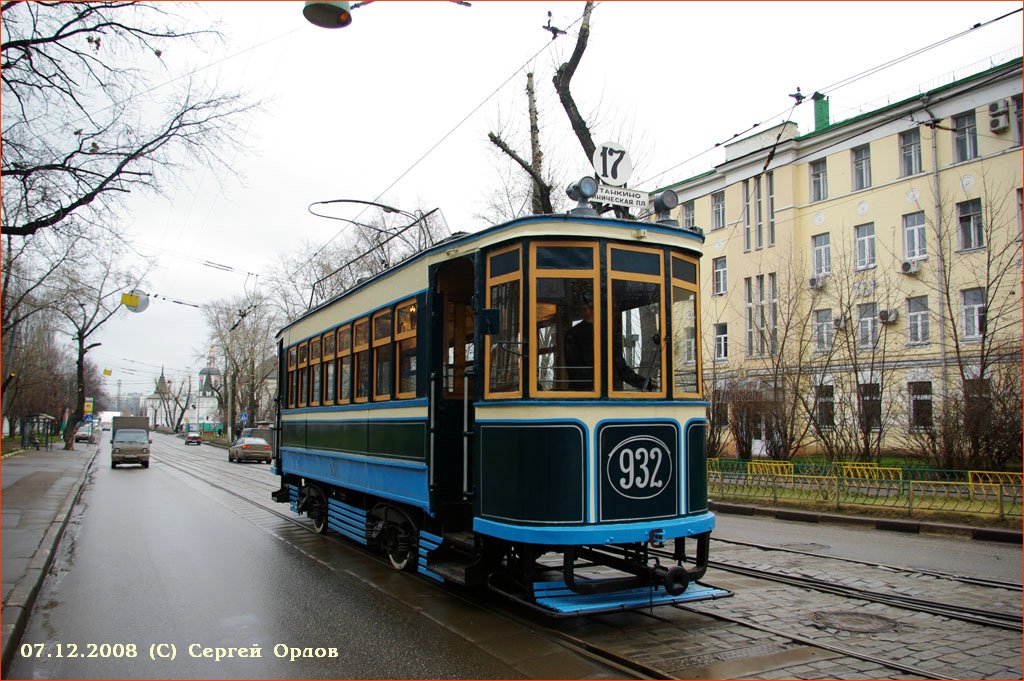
920, 405
746, 215
759, 213
917, 320
689, 215
720, 284
971, 233
819, 181
861, 167
718, 210
825, 406
864, 236
1018, 105
870, 395
762, 314
721, 341
771, 209
914, 238
822, 330
867, 326
965, 137
973, 300
910, 152
720, 407
748, 297
822, 254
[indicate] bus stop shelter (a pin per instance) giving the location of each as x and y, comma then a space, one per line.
37, 431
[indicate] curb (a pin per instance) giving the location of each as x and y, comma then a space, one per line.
887, 524
23, 594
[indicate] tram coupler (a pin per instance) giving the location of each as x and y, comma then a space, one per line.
281, 496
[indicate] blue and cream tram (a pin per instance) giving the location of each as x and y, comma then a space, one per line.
518, 408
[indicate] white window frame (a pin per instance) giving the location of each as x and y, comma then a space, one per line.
973, 312
864, 243
910, 153
758, 215
867, 326
721, 341
965, 137
771, 209
718, 210
861, 159
915, 399
748, 293
917, 320
823, 330
971, 227
720, 277
819, 180
689, 215
746, 214
915, 236
821, 245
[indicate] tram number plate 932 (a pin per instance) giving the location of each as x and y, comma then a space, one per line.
640, 467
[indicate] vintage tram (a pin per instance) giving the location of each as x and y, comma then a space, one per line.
518, 408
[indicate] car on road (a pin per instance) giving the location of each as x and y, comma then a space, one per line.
250, 449
193, 439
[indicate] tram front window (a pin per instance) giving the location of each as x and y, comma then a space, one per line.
636, 336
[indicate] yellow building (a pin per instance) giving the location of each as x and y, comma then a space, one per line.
862, 282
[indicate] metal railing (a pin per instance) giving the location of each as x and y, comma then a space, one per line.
852, 485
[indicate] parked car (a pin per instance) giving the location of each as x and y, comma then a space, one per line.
250, 449
193, 439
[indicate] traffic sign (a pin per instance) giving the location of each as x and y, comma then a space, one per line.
243, 417
617, 196
87, 418
612, 164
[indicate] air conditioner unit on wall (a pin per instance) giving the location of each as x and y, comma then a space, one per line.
999, 115
888, 316
909, 267
817, 281
839, 322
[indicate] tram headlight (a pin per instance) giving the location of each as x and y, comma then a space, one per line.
328, 14
582, 189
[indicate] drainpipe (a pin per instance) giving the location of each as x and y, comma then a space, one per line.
933, 123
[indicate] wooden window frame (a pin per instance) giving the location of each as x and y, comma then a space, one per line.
344, 332
293, 390
316, 389
328, 340
303, 398
399, 338
659, 279
491, 283
356, 349
382, 342
594, 275
695, 288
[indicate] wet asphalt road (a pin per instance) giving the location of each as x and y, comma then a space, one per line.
148, 561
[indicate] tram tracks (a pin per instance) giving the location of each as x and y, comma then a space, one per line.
656, 643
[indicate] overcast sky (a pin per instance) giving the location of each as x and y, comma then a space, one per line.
397, 106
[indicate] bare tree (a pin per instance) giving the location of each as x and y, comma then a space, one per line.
76, 121
540, 187
90, 297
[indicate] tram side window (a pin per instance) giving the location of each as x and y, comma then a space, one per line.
327, 368
383, 356
303, 374
344, 364
564, 343
361, 352
405, 339
293, 376
504, 350
314, 372
685, 348
637, 354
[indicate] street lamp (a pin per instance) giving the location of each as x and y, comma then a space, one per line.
339, 14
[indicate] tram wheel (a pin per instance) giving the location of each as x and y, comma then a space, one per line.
317, 509
399, 546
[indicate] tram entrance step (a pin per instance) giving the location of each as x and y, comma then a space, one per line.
462, 541
452, 572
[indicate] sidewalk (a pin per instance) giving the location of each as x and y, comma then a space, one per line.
39, 490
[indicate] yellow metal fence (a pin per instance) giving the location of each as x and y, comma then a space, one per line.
866, 485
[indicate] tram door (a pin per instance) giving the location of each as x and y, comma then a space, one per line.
453, 380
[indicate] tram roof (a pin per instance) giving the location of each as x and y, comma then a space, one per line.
464, 238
